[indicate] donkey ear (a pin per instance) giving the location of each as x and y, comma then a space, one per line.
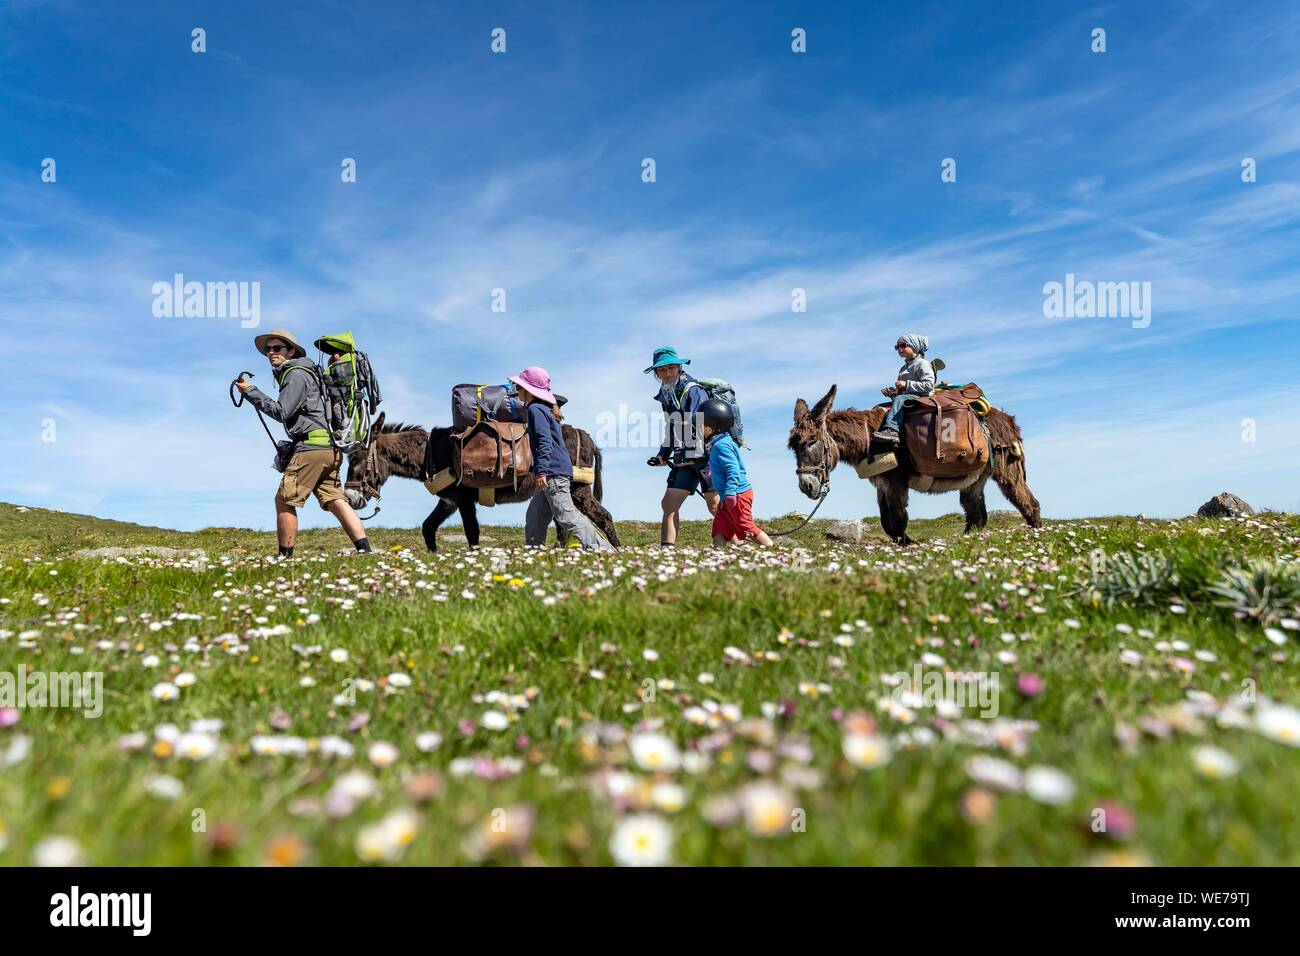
378, 423
800, 410
821, 408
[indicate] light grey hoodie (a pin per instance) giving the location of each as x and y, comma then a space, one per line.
918, 375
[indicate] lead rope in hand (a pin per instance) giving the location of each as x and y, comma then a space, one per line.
237, 399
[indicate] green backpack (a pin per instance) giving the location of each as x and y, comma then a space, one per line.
350, 388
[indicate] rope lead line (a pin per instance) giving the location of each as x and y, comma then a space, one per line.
826, 492
237, 399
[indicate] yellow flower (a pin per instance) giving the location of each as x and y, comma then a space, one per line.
58, 788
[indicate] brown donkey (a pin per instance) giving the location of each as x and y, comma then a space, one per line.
821, 439
408, 451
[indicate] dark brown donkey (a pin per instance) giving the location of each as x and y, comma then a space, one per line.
821, 439
400, 450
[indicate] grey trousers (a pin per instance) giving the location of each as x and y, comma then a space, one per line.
556, 503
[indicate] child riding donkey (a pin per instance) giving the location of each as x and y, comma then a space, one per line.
915, 380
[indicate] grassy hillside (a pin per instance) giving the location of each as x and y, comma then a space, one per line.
686, 706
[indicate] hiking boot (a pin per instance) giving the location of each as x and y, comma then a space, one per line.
888, 435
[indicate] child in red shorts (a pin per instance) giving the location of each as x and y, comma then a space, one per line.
734, 521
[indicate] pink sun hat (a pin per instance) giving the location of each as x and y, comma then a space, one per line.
537, 381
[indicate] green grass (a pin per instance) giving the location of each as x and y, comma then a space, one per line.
955, 596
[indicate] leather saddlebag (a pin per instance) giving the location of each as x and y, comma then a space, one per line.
491, 454
943, 434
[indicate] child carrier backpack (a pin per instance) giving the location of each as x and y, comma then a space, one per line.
350, 388
721, 388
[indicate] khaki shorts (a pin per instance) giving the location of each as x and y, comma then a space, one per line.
311, 472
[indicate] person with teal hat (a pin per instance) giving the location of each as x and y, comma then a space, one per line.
680, 396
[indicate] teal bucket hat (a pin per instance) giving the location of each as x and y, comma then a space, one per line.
665, 356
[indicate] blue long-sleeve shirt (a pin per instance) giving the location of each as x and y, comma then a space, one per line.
680, 401
550, 457
726, 469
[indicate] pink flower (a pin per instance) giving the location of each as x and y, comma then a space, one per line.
8, 716
1111, 821
1030, 685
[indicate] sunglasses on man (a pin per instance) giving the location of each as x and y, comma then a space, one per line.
277, 348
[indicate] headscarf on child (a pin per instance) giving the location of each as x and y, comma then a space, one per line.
920, 343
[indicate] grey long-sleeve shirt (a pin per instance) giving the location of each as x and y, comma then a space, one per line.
300, 407
918, 375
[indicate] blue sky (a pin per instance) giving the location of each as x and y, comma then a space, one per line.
775, 171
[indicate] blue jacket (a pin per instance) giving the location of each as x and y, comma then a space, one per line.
550, 457
680, 403
726, 470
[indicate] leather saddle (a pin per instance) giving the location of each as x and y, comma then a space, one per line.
943, 433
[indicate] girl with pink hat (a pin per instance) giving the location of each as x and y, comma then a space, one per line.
552, 467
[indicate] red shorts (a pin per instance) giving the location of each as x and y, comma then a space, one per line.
736, 520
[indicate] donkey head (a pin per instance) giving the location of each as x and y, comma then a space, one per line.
366, 475
815, 452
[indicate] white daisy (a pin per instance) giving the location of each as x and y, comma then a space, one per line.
653, 751
642, 840
994, 772
387, 840
668, 797
58, 851
1278, 722
867, 751
382, 753
1048, 785
428, 741
164, 787
196, 746
1215, 763
768, 808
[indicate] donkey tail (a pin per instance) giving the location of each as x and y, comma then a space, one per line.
598, 486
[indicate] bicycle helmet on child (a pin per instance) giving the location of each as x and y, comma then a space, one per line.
717, 415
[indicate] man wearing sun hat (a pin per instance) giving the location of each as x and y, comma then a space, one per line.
314, 467
680, 396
